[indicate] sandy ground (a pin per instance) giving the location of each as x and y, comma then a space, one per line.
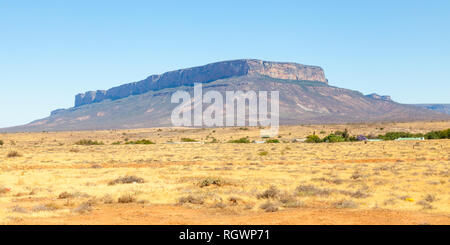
177, 215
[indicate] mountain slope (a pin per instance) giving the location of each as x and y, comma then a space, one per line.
443, 108
301, 102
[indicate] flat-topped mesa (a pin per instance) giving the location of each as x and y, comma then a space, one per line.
205, 74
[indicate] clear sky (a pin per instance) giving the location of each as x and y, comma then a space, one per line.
52, 50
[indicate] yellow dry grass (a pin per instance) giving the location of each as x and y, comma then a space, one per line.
229, 179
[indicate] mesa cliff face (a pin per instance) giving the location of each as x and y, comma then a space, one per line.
304, 93
206, 74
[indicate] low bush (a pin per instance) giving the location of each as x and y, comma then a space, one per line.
396, 135
1, 142
269, 207
88, 142
332, 138
361, 138
126, 180
272, 141
263, 153
309, 190
65, 195
313, 139
211, 181
140, 142
85, 207
13, 154
126, 198
187, 140
45, 207
190, 199
345, 204
272, 192
240, 141
443, 134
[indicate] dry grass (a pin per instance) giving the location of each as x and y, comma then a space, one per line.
54, 178
126, 180
13, 154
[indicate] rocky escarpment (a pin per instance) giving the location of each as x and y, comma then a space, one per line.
379, 97
205, 74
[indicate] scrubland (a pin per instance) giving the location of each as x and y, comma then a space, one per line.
195, 176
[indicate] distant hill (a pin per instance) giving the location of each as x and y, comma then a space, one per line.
443, 108
305, 98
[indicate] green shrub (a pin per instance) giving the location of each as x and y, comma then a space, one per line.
396, 135
313, 139
344, 134
444, 134
140, 142
116, 143
187, 140
240, 141
88, 142
263, 153
332, 138
272, 141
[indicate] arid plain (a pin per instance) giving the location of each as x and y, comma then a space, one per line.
45, 178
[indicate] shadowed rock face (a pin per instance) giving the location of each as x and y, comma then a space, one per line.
206, 74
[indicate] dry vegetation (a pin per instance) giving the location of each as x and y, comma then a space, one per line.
96, 177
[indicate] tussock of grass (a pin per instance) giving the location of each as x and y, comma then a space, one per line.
129, 179
19, 209
269, 207
272, 192
263, 153
346, 204
83, 208
45, 207
126, 198
65, 195
107, 199
13, 154
211, 181
425, 204
310, 190
191, 199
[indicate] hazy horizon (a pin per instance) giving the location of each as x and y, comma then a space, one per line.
50, 51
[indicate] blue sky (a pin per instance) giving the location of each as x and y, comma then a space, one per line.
52, 50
